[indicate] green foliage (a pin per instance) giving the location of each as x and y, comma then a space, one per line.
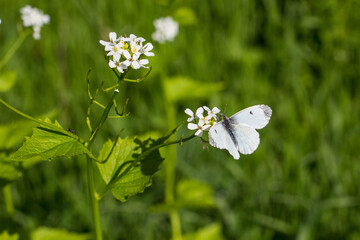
211, 232
49, 142
129, 168
7, 80
185, 16
194, 194
44, 233
6, 236
182, 88
8, 172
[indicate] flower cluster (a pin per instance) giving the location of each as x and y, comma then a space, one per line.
166, 29
127, 51
33, 17
204, 122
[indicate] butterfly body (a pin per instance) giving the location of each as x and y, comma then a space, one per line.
238, 132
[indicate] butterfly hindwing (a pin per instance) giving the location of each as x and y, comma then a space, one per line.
247, 138
257, 116
220, 138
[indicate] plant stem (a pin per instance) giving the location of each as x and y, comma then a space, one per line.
8, 200
93, 201
90, 169
13, 49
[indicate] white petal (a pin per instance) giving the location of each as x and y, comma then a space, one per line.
206, 108
112, 64
135, 65
215, 110
126, 63
149, 54
206, 127
192, 126
104, 43
148, 47
200, 110
126, 54
112, 36
189, 112
144, 62
199, 133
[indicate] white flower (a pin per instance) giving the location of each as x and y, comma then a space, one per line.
201, 127
193, 116
33, 17
0, 21
120, 66
127, 52
205, 119
166, 29
212, 113
115, 51
112, 36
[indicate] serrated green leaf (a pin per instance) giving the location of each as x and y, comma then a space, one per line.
185, 16
48, 144
127, 170
44, 233
210, 232
192, 193
7, 80
183, 88
12, 135
6, 236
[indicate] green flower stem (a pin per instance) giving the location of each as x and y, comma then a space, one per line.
8, 200
90, 168
170, 164
13, 48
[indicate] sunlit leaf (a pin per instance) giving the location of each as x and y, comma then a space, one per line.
184, 88
6, 236
210, 232
192, 193
131, 165
185, 16
48, 144
44, 233
7, 80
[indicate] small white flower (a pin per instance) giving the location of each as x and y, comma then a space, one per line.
115, 51
205, 119
166, 29
212, 113
134, 61
146, 49
116, 90
112, 37
120, 66
201, 127
33, 17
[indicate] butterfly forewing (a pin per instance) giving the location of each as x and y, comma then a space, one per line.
220, 138
257, 116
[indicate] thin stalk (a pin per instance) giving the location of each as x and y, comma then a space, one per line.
90, 168
8, 200
93, 201
13, 49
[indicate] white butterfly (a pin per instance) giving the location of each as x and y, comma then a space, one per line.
237, 133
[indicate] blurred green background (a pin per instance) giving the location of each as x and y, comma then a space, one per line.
299, 57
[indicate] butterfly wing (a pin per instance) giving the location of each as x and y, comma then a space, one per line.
257, 116
247, 138
220, 138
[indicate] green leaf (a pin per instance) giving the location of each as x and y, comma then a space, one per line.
131, 165
181, 88
6, 236
210, 232
47, 144
8, 172
12, 135
195, 194
7, 80
185, 16
44, 233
